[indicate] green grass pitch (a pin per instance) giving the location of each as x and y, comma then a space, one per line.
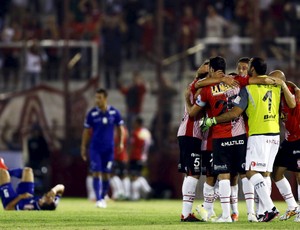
79, 213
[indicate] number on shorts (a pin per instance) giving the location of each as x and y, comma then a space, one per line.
6, 193
197, 162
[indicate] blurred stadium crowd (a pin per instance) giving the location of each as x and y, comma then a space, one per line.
125, 30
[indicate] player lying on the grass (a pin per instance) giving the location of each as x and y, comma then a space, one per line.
23, 198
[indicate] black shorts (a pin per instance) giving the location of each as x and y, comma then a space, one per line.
229, 154
135, 168
207, 163
119, 168
190, 155
288, 156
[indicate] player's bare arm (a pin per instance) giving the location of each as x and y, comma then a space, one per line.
225, 117
192, 110
262, 81
120, 133
217, 78
288, 96
11, 205
57, 190
230, 115
279, 78
296, 89
86, 135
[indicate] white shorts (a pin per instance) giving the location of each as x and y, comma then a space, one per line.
261, 152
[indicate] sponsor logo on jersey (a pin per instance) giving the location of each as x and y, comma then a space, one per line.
219, 89
269, 117
296, 151
237, 100
104, 120
199, 101
273, 141
195, 155
179, 166
112, 112
243, 165
230, 143
95, 114
258, 164
220, 167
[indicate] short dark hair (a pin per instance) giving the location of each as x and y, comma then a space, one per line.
203, 75
259, 65
139, 121
217, 63
102, 91
49, 207
244, 60
233, 74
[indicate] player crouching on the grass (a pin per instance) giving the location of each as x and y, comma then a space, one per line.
23, 198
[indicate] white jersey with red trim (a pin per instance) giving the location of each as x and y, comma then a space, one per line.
190, 126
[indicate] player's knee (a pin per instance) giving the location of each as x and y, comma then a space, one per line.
4, 176
3, 172
278, 173
96, 174
27, 170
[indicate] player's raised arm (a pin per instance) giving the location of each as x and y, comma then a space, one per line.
192, 109
220, 77
58, 190
279, 78
288, 96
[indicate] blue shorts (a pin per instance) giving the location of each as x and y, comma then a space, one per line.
8, 194
101, 161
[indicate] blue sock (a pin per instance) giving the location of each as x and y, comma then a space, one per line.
105, 186
16, 172
96, 186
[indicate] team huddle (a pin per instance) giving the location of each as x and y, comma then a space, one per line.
231, 129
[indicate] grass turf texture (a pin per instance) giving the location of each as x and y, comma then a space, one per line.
78, 213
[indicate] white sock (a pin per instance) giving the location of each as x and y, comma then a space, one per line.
89, 188
117, 187
285, 190
269, 184
114, 188
208, 194
256, 201
263, 192
127, 187
224, 190
144, 184
216, 188
248, 191
188, 195
135, 190
234, 199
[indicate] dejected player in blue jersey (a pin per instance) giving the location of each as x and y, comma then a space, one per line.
23, 197
98, 133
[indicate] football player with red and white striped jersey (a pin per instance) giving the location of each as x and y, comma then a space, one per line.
189, 138
288, 156
229, 139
